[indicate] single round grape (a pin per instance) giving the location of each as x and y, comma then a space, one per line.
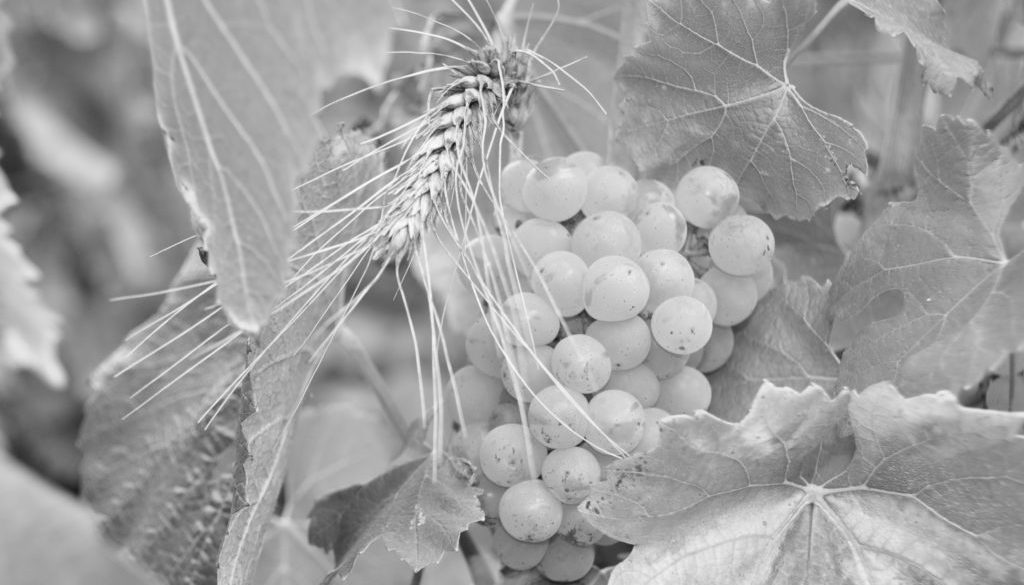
576, 528
581, 363
533, 319
685, 393
478, 394
661, 225
516, 554
607, 233
615, 289
565, 562
652, 430
511, 181
706, 195
536, 238
717, 350
559, 276
585, 159
741, 245
618, 416
681, 325
627, 342
558, 417
555, 190
653, 191
610, 188
640, 381
736, 296
490, 497
703, 292
526, 371
481, 349
504, 457
764, 279
669, 274
664, 364
529, 512
505, 413
569, 473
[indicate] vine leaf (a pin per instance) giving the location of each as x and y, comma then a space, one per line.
924, 24
784, 341
29, 330
418, 517
286, 355
857, 489
710, 85
236, 86
962, 307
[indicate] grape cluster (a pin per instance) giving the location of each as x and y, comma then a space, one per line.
629, 292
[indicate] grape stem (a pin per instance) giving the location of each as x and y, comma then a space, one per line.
818, 29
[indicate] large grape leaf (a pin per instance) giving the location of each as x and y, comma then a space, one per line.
288, 351
710, 85
858, 489
164, 480
924, 24
784, 342
237, 84
29, 330
418, 515
963, 299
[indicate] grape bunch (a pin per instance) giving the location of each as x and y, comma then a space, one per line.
626, 296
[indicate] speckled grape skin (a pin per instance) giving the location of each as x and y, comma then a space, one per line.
669, 274
565, 562
557, 417
569, 474
615, 288
621, 418
661, 226
503, 455
581, 363
529, 512
640, 381
706, 195
576, 529
685, 393
736, 296
627, 342
604, 234
652, 430
514, 553
681, 325
741, 245
555, 190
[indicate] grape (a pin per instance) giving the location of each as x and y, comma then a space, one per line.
706, 195
703, 292
535, 238
527, 369
576, 528
509, 219
619, 416
505, 413
669, 274
606, 233
511, 181
558, 417
764, 279
663, 363
610, 188
717, 350
516, 554
640, 381
529, 512
651, 191
652, 430
503, 455
584, 159
532, 318
484, 262
615, 289
736, 296
685, 393
846, 227
490, 497
741, 245
466, 441
559, 276
569, 473
661, 225
627, 342
565, 562
481, 350
681, 325
477, 393
581, 363
555, 190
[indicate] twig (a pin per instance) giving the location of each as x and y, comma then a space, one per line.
818, 28
1012, 104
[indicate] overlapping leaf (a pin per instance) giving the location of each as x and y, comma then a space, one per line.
710, 86
858, 489
924, 23
784, 342
237, 83
963, 299
418, 517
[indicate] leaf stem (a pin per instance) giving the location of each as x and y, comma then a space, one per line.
818, 28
